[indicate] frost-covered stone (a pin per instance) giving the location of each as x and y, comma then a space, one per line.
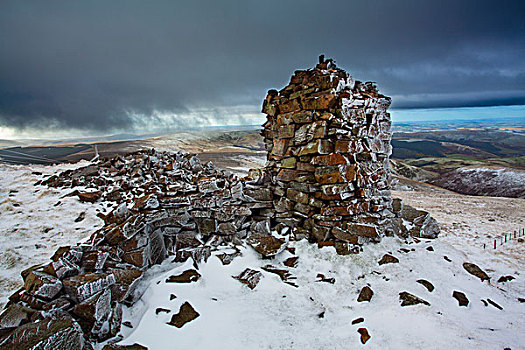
267, 246
14, 315
58, 332
83, 286
249, 277
42, 285
93, 314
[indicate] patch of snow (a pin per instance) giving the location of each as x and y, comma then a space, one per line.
36, 220
276, 315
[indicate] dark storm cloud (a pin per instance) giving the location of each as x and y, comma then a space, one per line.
90, 64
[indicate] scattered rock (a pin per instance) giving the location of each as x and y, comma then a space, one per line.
461, 298
321, 315
291, 262
358, 320
267, 246
388, 259
90, 197
474, 269
83, 286
187, 276
408, 299
81, 217
322, 278
422, 224
127, 324
429, 286
135, 346
186, 314
504, 279
226, 259
42, 285
15, 315
430, 248
161, 309
172, 296
447, 258
365, 294
95, 312
521, 300
493, 303
282, 273
364, 335
249, 277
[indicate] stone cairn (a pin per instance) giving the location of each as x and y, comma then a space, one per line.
328, 142
327, 179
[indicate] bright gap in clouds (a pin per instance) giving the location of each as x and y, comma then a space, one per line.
163, 122
466, 113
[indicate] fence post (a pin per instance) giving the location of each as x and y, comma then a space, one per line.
505, 238
494, 244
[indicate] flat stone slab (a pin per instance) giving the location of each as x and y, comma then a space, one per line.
249, 277
267, 246
365, 336
186, 314
474, 270
388, 259
461, 298
365, 294
408, 299
187, 276
429, 286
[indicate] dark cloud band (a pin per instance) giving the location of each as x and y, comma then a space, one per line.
88, 64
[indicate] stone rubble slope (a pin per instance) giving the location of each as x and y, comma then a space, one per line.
177, 207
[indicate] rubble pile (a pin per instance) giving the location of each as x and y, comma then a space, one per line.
327, 179
172, 206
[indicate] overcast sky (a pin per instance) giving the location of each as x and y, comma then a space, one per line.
105, 65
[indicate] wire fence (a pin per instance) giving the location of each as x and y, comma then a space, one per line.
504, 238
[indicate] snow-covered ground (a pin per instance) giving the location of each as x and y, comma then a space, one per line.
276, 315
493, 181
36, 220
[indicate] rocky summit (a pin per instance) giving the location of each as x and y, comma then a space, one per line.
327, 179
